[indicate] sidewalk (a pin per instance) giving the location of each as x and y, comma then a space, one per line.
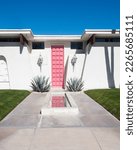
93, 129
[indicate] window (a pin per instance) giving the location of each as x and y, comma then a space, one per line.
38, 45
117, 39
76, 45
9, 40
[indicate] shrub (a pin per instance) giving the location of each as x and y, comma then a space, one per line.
40, 84
74, 84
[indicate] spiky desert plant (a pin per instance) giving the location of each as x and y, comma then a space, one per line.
40, 84
75, 84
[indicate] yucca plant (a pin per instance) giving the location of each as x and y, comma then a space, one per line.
40, 84
75, 84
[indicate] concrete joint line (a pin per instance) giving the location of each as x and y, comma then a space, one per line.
38, 126
96, 140
39, 123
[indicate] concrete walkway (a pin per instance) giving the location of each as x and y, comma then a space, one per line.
93, 129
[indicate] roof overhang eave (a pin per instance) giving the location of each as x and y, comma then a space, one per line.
100, 33
27, 33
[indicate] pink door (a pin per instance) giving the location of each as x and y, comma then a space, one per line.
57, 66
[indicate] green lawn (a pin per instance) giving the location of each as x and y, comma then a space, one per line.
9, 99
108, 98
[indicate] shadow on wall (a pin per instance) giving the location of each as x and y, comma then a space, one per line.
109, 61
21, 48
4, 74
3, 58
13, 44
65, 71
110, 66
80, 51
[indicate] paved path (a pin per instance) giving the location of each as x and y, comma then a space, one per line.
93, 129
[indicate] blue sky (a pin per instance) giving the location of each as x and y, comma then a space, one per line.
59, 16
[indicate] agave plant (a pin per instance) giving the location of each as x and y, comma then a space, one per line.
75, 84
40, 84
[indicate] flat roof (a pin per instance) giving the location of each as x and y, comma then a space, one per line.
28, 34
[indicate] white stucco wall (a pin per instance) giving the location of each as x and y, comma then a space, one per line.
22, 67
77, 69
96, 69
19, 67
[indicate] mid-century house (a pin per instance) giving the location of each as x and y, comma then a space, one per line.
93, 56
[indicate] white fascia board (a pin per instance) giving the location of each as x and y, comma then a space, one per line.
16, 32
57, 37
99, 32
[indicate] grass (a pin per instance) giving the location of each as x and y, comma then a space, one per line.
9, 99
108, 98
